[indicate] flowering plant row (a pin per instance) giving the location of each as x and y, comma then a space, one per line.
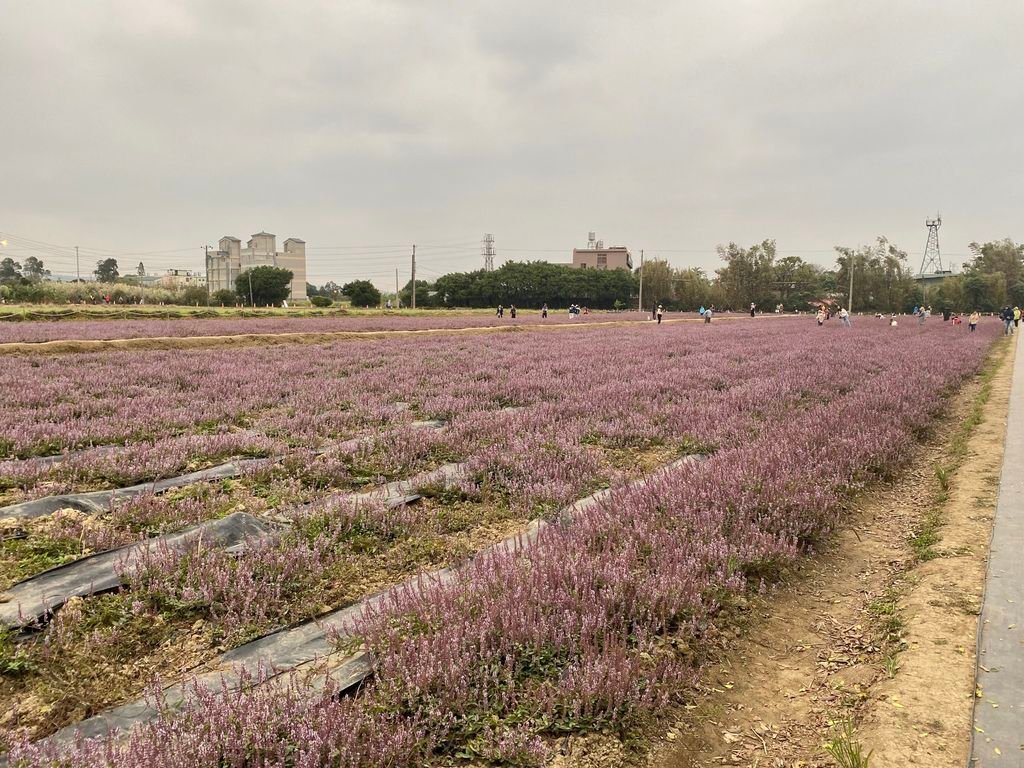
582, 630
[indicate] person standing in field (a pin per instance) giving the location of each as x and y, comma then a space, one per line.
707, 314
659, 312
820, 317
753, 308
1016, 317
972, 321
1007, 317
844, 317
512, 311
544, 311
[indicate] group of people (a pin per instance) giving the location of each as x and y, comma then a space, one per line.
1011, 319
574, 310
922, 313
658, 311
824, 314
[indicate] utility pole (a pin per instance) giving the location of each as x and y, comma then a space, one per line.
251, 302
398, 299
209, 290
849, 300
414, 275
640, 301
78, 269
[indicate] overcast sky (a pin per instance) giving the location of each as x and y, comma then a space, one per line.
141, 126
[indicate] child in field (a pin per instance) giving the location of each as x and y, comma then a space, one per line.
661, 311
820, 317
972, 321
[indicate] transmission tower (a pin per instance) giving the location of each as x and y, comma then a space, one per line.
487, 251
931, 262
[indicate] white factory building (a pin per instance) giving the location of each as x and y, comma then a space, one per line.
231, 259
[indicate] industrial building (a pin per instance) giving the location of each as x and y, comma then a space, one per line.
230, 260
596, 256
181, 278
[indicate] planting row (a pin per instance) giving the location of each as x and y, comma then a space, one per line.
171, 412
36, 331
744, 389
598, 623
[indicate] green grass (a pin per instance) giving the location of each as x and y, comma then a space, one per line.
21, 558
844, 747
926, 536
13, 660
885, 611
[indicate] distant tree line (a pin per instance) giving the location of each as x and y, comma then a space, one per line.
883, 282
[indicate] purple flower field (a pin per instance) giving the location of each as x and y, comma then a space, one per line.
33, 331
583, 631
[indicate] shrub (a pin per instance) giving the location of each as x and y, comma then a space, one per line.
320, 301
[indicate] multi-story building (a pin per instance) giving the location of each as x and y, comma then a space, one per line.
181, 278
596, 256
230, 260
617, 257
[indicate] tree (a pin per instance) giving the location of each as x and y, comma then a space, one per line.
225, 297
34, 271
362, 293
331, 289
10, 270
425, 293
692, 289
194, 295
995, 275
984, 292
268, 285
106, 271
657, 280
881, 277
1003, 256
796, 282
747, 274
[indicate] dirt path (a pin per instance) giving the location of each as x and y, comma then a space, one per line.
878, 635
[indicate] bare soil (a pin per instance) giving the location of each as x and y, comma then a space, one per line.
876, 632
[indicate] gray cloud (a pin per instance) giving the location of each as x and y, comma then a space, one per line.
142, 126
